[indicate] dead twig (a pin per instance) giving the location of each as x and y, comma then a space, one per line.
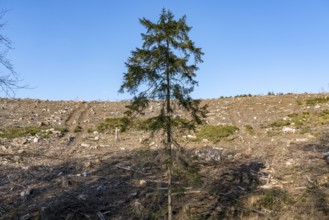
158, 181
268, 179
104, 213
260, 212
100, 215
309, 180
13, 182
185, 193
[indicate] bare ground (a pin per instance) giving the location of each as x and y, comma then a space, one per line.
269, 172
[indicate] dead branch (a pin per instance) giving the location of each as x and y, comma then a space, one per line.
100, 215
13, 182
260, 212
186, 193
309, 180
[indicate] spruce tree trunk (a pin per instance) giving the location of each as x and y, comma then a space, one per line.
169, 194
170, 162
169, 139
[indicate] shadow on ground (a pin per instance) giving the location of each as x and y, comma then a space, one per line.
317, 174
132, 185
125, 186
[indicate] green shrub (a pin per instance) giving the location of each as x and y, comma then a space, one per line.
149, 124
267, 201
111, 123
250, 129
153, 124
323, 117
280, 124
216, 133
293, 115
29, 131
61, 129
298, 122
20, 132
317, 100
77, 129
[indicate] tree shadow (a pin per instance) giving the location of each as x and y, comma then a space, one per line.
67, 191
315, 174
129, 185
233, 183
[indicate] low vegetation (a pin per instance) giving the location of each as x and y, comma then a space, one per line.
298, 120
323, 117
20, 132
303, 121
250, 129
28, 131
110, 124
293, 119
280, 123
61, 129
77, 129
216, 133
274, 200
210, 132
126, 124
319, 100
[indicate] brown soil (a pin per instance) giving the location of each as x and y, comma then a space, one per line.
267, 173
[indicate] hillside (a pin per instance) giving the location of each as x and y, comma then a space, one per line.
60, 160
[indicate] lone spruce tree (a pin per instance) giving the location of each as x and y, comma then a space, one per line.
164, 69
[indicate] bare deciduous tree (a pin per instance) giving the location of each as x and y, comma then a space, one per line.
9, 79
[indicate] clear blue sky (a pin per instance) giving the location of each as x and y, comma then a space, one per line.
76, 49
